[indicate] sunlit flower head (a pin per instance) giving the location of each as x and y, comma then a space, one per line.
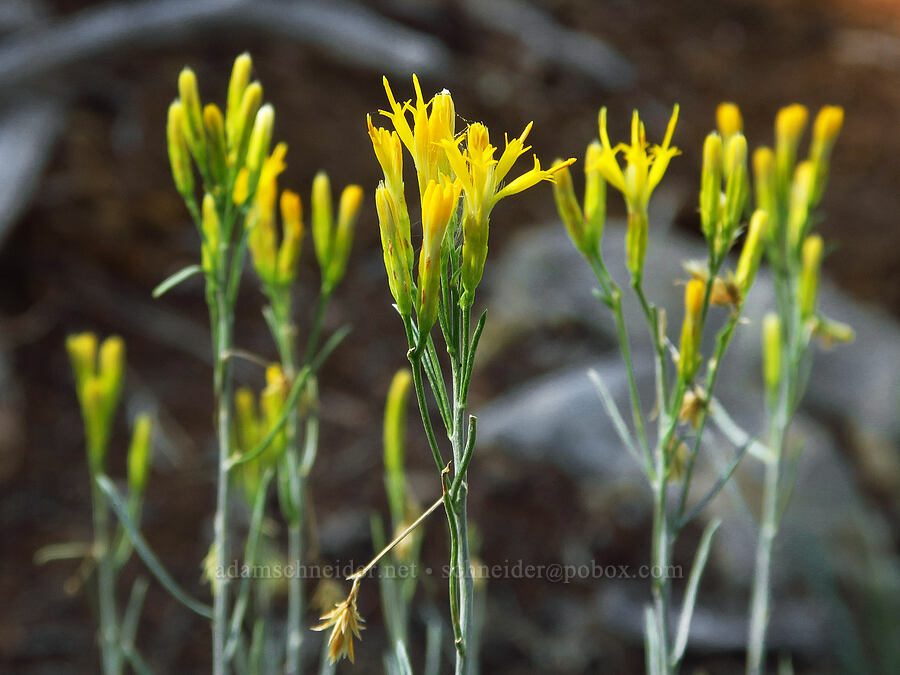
433, 122
645, 165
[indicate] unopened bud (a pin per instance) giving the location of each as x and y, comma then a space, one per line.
348, 213
237, 85
711, 186
764, 182
292, 236
810, 271
260, 139
771, 339
193, 128
210, 227
728, 120
395, 248
569, 210
322, 220
214, 127
594, 197
139, 454
689, 350
825, 132
751, 254
799, 206
179, 155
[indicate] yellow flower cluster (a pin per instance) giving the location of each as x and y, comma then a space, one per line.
449, 167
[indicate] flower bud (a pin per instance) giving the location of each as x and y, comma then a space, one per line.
348, 212
711, 186
789, 125
292, 236
179, 155
771, 338
237, 85
193, 127
751, 254
728, 120
214, 127
438, 207
111, 370
810, 271
260, 139
736, 189
395, 441
825, 132
242, 127
209, 250
691, 330
139, 455
764, 182
569, 210
394, 246
798, 208
246, 420
594, 196
82, 350
322, 220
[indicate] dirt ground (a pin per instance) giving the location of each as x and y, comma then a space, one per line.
106, 226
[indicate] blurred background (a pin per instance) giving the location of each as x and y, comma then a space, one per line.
90, 223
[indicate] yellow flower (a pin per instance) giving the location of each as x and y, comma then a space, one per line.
644, 168
438, 207
481, 176
345, 623
433, 122
262, 238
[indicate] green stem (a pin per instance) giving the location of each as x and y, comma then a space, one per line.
464, 655
768, 529
106, 585
223, 388
613, 296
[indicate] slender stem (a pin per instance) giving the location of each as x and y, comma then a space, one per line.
614, 296
106, 585
315, 331
295, 598
464, 655
660, 561
759, 602
223, 388
363, 571
722, 342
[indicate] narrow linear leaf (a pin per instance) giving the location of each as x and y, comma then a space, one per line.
613, 413
735, 434
146, 553
433, 638
716, 488
690, 595
170, 282
133, 612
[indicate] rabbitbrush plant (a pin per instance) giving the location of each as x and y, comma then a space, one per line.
685, 381
226, 170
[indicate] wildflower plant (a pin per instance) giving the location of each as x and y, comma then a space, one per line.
684, 379
99, 370
226, 171
460, 180
791, 191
